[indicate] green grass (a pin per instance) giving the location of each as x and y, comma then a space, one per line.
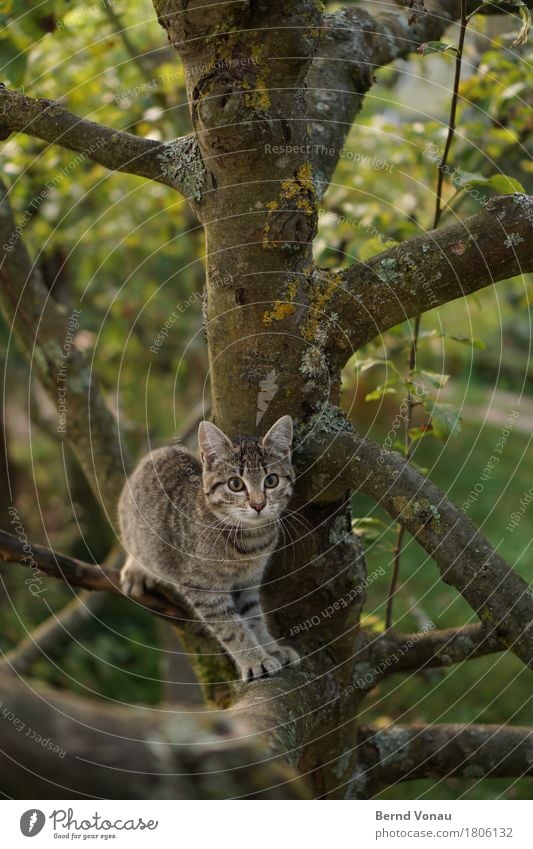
494, 689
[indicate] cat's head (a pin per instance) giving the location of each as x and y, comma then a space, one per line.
247, 483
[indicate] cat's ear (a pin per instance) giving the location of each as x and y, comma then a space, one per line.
280, 435
212, 442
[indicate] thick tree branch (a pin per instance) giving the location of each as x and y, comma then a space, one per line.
177, 163
41, 327
397, 33
406, 752
100, 751
429, 270
499, 596
356, 41
76, 573
440, 648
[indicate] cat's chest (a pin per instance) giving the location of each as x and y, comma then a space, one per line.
238, 557
233, 572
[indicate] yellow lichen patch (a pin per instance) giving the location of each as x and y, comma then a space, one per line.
282, 309
421, 511
259, 97
296, 193
246, 63
302, 182
292, 289
322, 289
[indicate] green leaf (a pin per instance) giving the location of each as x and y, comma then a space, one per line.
368, 521
445, 419
472, 179
380, 391
436, 47
436, 379
417, 390
525, 15
506, 185
368, 363
369, 527
417, 433
467, 340
523, 33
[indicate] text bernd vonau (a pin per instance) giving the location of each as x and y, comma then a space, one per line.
415, 815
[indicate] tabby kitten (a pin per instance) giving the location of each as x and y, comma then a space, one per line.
208, 530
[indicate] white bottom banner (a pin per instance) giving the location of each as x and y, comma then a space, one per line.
267, 825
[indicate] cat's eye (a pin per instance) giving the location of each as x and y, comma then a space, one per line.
271, 481
236, 484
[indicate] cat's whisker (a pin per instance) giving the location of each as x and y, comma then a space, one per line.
295, 514
287, 542
310, 533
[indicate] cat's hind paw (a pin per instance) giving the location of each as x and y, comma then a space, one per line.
286, 655
262, 668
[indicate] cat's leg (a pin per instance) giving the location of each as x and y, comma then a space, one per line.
221, 616
249, 606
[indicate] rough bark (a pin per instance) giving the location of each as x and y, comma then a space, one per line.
98, 751
405, 752
176, 163
433, 269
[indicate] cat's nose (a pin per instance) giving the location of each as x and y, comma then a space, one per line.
257, 502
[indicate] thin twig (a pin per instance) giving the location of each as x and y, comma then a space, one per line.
400, 530
463, 24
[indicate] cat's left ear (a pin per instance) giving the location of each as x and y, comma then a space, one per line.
212, 441
280, 435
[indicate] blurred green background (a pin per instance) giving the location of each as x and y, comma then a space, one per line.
129, 254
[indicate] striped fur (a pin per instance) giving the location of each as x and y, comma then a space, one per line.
208, 530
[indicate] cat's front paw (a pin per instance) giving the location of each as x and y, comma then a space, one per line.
286, 655
260, 668
134, 581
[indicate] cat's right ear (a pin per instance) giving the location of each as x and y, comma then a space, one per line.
212, 442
